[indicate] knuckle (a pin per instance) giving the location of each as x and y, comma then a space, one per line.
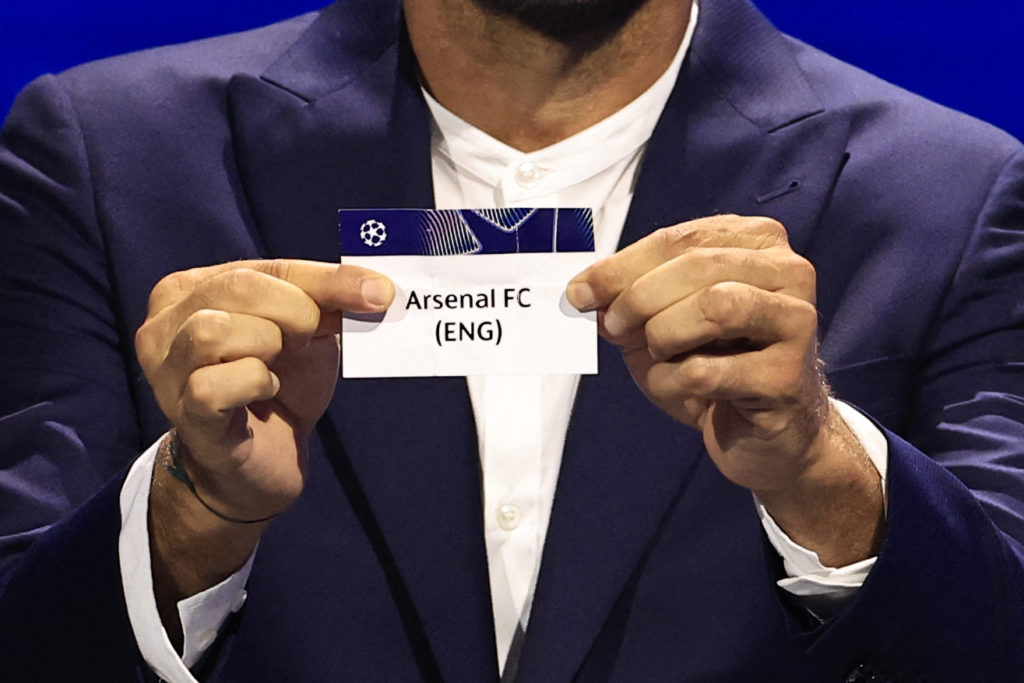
309, 316
251, 371
805, 315
716, 259
721, 302
170, 283
149, 358
658, 339
662, 386
253, 366
144, 342
632, 303
279, 269
704, 263
207, 327
272, 338
246, 288
674, 238
168, 288
200, 393
243, 282
802, 273
150, 343
699, 376
771, 227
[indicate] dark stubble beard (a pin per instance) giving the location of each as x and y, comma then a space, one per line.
576, 23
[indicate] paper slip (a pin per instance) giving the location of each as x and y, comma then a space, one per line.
478, 292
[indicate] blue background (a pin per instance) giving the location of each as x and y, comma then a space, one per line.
968, 55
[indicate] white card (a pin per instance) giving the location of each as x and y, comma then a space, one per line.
478, 292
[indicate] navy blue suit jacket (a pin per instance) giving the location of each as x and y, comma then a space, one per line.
655, 567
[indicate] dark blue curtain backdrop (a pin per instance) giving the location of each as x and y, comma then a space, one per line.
968, 55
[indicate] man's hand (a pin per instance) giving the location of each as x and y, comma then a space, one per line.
243, 360
717, 324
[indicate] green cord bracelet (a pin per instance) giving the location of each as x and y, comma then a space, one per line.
178, 472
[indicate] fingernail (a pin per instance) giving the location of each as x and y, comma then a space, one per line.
581, 296
375, 291
275, 381
613, 323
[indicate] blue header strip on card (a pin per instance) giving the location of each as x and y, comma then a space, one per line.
447, 232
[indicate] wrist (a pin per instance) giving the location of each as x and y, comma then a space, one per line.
835, 507
170, 457
192, 548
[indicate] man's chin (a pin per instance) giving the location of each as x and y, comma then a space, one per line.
573, 22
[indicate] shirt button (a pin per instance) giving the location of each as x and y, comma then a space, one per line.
509, 516
528, 174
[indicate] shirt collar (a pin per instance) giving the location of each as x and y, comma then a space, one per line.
565, 163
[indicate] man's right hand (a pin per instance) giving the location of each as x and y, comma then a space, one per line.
243, 360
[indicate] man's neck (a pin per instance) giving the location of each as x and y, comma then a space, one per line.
527, 89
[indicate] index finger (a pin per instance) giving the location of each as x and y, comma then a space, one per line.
332, 286
598, 285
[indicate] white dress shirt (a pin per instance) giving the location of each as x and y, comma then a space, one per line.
521, 420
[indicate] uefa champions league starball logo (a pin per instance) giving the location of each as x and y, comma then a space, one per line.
373, 233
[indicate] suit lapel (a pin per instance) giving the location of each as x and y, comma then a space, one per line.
338, 122
356, 137
742, 133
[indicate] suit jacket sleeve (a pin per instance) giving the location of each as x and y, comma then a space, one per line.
67, 422
946, 597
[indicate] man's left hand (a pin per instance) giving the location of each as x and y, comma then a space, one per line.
717, 324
